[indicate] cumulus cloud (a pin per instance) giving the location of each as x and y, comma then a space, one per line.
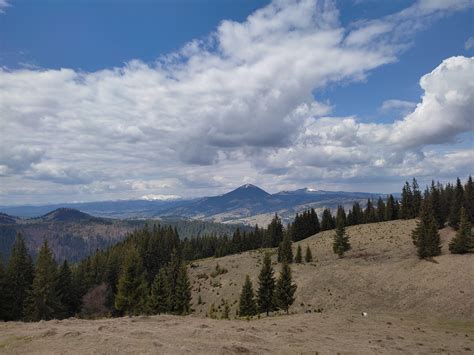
397, 105
240, 100
3, 5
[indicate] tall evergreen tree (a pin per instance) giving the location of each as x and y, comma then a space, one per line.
416, 197
19, 277
43, 301
456, 205
67, 294
160, 293
183, 292
357, 214
327, 220
341, 240
285, 289
285, 250
435, 199
308, 256
3, 293
391, 209
247, 304
463, 242
341, 214
132, 290
369, 213
407, 210
469, 199
299, 255
380, 210
425, 236
274, 233
266, 286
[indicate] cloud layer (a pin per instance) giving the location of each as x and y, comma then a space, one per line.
235, 107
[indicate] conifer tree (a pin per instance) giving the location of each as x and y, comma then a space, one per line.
183, 292
19, 276
299, 256
369, 213
341, 240
457, 203
132, 290
469, 199
380, 210
341, 213
391, 209
3, 293
308, 256
463, 242
274, 233
173, 270
327, 220
43, 301
247, 304
285, 289
416, 198
159, 297
425, 236
66, 292
357, 214
266, 287
285, 250
435, 200
407, 202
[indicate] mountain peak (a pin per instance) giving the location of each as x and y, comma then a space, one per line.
247, 191
66, 214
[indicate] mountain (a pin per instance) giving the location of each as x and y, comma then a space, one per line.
73, 234
247, 204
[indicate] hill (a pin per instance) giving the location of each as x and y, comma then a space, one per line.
247, 204
73, 234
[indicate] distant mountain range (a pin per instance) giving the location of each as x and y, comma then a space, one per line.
247, 204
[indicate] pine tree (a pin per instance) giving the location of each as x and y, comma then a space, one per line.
457, 203
43, 301
299, 256
341, 240
159, 297
173, 271
416, 198
19, 276
285, 250
183, 292
308, 256
341, 213
285, 289
357, 214
425, 236
247, 304
407, 210
327, 220
274, 234
469, 199
435, 199
391, 209
66, 292
3, 293
369, 213
132, 288
380, 210
266, 286
463, 242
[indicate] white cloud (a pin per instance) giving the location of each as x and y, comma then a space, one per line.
397, 105
240, 100
469, 43
3, 5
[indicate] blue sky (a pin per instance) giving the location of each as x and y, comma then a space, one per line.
170, 88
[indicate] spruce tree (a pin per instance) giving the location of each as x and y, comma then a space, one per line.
132, 290
3, 293
391, 209
67, 294
369, 213
19, 276
299, 256
266, 287
183, 292
417, 198
43, 301
435, 200
457, 203
463, 242
341, 213
308, 256
425, 236
327, 220
247, 304
159, 297
407, 210
285, 289
285, 250
174, 270
341, 240
357, 214
469, 199
380, 210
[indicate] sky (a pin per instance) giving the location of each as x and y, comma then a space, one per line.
107, 100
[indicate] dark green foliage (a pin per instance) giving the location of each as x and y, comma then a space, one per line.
3, 292
327, 220
285, 250
43, 301
183, 292
19, 278
380, 210
274, 233
456, 205
266, 287
160, 294
463, 242
425, 236
285, 289
407, 207
436, 204
417, 198
341, 240
299, 256
370, 215
308, 255
469, 199
391, 209
341, 214
247, 304
132, 290
305, 225
66, 292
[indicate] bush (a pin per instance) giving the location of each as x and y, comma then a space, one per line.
218, 271
94, 302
